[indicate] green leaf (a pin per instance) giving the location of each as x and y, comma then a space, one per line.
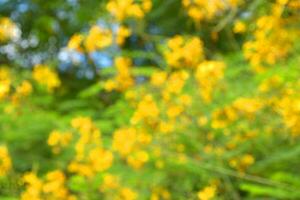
267, 191
92, 90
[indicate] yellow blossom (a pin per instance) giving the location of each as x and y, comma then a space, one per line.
146, 110
124, 140
24, 89
128, 194
98, 38
207, 193
45, 76
200, 10
158, 78
5, 161
123, 79
58, 140
122, 9
4, 88
8, 29
75, 42
100, 159
208, 75
174, 111
239, 27
122, 33
138, 159
166, 127
5, 82
184, 52
109, 182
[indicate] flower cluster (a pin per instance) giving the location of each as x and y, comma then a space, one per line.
273, 39
241, 107
90, 156
122, 9
98, 38
183, 52
208, 74
186, 129
45, 76
200, 10
207, 193
58, 140
53, 186
11, 91
289, 108
5, 161
8, 30
123, 79
5, 82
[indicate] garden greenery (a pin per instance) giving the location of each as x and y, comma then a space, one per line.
150, 99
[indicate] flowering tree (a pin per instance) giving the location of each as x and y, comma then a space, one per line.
149, 99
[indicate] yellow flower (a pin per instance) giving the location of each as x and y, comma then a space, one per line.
208, 75
242, 163
128, 194
158, 78
160, 193
174, 111
5, 82
8, 29
33, 187
182, 52
223, 117
207, 193
122, 9
176, 82
247, 160
24, 89
52, 187
138, 159
109, 182
146, 110
5, 73
81, 169
272, 39
200, 10
289, 108
45, 76
58, 140
185, 100
124, 140
84, 125
239, 27
123, 79
202, 121
98, 38
110, 85
270, 83
4, 88
122, 33
131, 95
5, 161
147, 5
247, 106
75, 42
166, 127
54, 183
100, 159
90, 157
143, 137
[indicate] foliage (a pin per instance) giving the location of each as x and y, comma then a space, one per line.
149, 99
